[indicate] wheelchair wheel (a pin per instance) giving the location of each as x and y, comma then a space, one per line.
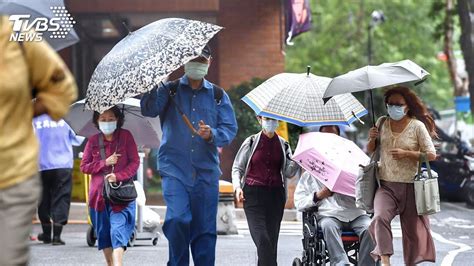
90, 237
297, 262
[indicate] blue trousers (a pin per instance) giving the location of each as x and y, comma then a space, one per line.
191, 220
113, 229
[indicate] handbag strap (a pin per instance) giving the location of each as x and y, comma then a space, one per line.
376, 155
424, 159
102, 147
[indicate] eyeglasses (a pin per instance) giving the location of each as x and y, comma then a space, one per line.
396, 104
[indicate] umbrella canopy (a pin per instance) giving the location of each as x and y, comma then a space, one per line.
372, 77
63, 37
145, 130
297, 99
333, 160
144, 58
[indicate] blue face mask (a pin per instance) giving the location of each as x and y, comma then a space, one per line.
269, 125
195, 70
108, 127
396, 112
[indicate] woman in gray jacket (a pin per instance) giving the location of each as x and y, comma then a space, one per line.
259, 173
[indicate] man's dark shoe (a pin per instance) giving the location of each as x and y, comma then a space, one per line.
42, 237
58, 242
46, 235
57, 229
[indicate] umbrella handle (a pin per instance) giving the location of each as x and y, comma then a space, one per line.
372, 107
358, 119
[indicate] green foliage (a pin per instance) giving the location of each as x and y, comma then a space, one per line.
245, 116
339, 38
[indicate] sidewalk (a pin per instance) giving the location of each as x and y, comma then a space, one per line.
78, 213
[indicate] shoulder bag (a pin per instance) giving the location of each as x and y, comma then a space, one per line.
367, 181
122, 192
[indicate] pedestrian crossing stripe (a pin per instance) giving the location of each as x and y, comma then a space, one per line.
296, 229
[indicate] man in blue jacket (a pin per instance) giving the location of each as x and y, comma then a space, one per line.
188, 161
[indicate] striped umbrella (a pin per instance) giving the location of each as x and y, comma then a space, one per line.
297, 99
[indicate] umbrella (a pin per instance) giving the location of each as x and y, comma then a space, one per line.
333, 160
372, 77
61, 38
145, 130
297, 99
144, 58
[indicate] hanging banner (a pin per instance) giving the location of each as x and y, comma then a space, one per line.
298, 18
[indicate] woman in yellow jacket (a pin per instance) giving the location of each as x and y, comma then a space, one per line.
24, 67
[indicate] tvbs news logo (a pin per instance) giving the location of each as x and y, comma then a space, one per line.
27, 29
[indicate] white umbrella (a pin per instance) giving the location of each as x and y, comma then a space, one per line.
145, 130
297, 99
372, 77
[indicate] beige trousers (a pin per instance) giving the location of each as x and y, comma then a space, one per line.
17, 207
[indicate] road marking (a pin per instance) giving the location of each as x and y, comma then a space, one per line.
295, 228
449, 259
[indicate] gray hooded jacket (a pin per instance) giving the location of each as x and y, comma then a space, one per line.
242, 160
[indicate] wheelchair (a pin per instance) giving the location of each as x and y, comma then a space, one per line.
314, 247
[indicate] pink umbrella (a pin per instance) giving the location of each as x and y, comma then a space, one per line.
333, 160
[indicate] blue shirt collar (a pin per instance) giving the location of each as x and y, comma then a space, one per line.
206, 84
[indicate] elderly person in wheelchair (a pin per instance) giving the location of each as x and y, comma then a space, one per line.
335, 215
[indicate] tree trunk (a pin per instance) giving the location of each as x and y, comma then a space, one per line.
448, 49
466, 18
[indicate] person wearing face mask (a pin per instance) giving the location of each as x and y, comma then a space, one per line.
189, 160
406, 133
259, 173
113, 223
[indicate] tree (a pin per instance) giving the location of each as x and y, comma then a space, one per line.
338, 43
466, 17
458, 84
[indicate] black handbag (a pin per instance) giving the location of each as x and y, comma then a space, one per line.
122, 192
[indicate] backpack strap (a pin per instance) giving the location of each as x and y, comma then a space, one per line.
173, 87
218, 94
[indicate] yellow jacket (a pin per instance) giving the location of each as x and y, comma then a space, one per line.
38, 66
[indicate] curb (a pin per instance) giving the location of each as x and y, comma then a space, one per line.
78, 213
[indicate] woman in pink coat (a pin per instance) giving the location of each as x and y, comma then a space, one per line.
113, 223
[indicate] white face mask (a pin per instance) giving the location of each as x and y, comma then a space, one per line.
108, 127
269, 125
396, 112
195, 70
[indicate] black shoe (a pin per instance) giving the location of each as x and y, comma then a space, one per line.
57, 241
57, 229
42, 237
46, 235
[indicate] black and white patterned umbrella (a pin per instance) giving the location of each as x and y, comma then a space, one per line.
144, 58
